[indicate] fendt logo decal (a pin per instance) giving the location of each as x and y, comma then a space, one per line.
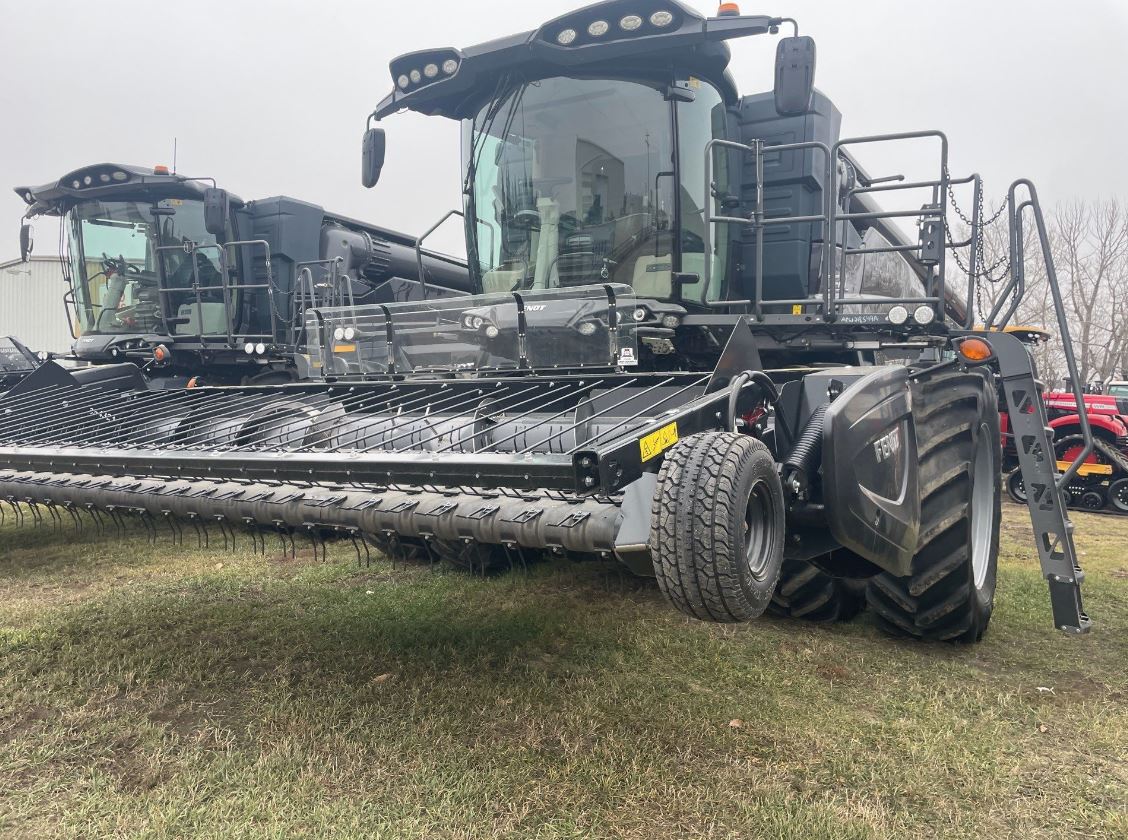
886, 446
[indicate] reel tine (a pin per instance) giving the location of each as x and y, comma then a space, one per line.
222, 530
196, 527
352, 538
74, 517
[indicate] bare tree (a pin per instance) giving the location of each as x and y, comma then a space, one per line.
1089, 246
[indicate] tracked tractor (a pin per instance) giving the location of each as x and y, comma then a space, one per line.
699, 345
1100, 482
191, 282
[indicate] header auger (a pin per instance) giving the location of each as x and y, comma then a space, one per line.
697, 345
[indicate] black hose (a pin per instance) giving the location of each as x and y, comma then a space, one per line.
805, 452
771, 393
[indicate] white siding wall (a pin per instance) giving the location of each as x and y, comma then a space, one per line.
31, 304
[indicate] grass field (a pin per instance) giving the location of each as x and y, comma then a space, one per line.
152, 692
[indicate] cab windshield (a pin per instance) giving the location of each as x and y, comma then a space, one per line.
573, 182
123, 253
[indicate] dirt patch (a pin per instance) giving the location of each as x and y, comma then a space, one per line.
301, 557
134, 772
835, 673
12, 727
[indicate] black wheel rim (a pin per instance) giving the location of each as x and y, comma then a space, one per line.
759, 530
1118, 495
1092, 500
1017, 486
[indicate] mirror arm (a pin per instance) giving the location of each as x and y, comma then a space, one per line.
722, 29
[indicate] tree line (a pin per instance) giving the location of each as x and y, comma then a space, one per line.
1088, 240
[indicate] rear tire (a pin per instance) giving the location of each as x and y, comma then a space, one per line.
717, 527
808, 593
950, 593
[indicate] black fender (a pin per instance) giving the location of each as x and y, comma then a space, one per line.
870, 469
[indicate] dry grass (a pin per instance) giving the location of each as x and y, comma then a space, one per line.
157, 693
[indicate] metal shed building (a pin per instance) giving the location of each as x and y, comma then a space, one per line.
31, 303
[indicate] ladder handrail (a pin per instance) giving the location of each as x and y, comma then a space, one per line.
1018, 277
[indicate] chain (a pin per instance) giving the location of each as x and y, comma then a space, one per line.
1000, 268
960, 212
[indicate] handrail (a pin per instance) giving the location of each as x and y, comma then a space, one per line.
940, 193
428, 232
226, 286
1015, 214
758, 220
933, 213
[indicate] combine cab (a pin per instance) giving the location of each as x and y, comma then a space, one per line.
221, 286
698, 345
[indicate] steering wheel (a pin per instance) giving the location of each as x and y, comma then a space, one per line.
118, 265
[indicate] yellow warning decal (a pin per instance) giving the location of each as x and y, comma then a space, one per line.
796, 309
1087, 469
656, 443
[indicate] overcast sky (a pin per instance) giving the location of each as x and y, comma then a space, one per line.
271, 97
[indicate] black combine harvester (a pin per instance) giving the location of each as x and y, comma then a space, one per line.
699, 346
16, 362
158, 260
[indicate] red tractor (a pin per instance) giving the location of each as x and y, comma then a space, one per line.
1102, 481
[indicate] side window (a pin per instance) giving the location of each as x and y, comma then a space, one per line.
699, 122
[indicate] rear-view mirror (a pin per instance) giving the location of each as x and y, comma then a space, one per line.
27, 243
372, 157
794, 75
216, 209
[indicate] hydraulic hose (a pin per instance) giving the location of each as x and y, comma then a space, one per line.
805, 452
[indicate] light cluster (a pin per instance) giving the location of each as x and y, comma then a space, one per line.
899, 314
93, 179
428, 71
627, 24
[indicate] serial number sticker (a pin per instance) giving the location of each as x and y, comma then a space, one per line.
656, 443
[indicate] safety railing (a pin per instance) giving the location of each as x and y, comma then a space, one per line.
591, 327
232, 294
1007, 303
929, 252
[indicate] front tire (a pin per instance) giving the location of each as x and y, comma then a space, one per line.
950, 593
717, 527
